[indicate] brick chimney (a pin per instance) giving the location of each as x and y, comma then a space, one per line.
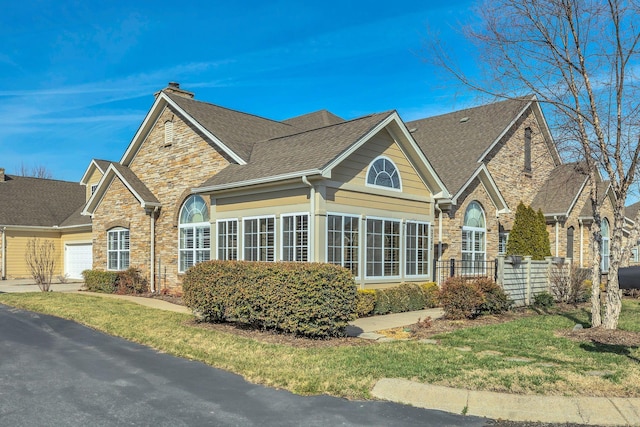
1, 174
174, 87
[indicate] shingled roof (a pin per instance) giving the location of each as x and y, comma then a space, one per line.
560, 192
238, 131
454, 143
305, 151
37, 202
314, 120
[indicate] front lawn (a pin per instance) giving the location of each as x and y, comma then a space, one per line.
527, 355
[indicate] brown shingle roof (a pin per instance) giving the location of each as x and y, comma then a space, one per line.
603, 189
37, 202
561, 189
632, 210
305, 151
238, 131
314, 120
454, 142
136, 184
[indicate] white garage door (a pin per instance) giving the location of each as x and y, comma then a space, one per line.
78, 257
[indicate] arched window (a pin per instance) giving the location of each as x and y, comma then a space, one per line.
384, 173
604, 252
473, 239
195, 233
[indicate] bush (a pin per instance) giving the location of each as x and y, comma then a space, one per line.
495, 300
100, 280
398, 299
543, 300
307, 299
430, 291
365, 302
568, 284
460, 298
131, 282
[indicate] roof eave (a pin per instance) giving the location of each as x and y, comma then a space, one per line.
257, 181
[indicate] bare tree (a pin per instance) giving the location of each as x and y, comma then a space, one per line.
38, 171
579, 57
41, 260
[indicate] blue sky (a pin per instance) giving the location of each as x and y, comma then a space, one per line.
78, 77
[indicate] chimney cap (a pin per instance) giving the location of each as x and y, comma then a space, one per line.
174, 85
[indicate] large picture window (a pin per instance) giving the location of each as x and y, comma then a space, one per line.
118, 249
473, 240
259, 239
383, 173
227, 239
195, 233
342, 241
295, 237
417, 249
383, 248
604, 252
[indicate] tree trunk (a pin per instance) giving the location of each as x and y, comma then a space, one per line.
614, 295
596, 238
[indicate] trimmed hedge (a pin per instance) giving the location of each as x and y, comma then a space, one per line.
306, 299
100, 281
405, 297
125, 282
463, 298
431, 293
365, 302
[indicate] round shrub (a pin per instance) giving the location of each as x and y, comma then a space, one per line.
430, 290
495, 300
307, 299
543, 300
365, 302
100, 281
131, 282
460, 298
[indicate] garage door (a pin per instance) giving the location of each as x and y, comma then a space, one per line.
78, 257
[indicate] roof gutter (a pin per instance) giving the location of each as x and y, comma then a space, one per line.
257, 181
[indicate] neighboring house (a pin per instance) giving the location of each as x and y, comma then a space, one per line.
46, 209
490, 158
199, 181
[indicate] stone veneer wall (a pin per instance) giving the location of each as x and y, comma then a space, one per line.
506, 164
169, 171
453, 222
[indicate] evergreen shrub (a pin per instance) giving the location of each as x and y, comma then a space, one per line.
365, 302
306, 299
100, 281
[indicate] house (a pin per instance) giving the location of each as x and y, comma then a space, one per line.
199, 181
49, 210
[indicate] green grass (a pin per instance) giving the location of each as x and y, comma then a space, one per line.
555, 365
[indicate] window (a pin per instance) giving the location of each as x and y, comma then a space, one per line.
228, 239
503, 238
168, 133
259, 239
473, 240
570, 232
295, 237
417, 248
195, 233
94, 187
118, 249
383, 173
527, 150
342, 241
383, 248
604, 252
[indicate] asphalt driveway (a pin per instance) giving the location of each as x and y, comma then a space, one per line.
56, 372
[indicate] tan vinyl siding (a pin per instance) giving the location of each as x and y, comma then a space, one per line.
16, 249
365, 201
95, 177
354, 169
261, 201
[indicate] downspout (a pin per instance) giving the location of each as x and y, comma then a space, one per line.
581, 241
4, 253
557, 236
153, 249
312, 220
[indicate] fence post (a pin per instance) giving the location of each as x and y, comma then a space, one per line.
527, 295
499, 272
452, 267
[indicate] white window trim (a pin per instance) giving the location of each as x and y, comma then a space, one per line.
168, 133
118, 231
326, 239
605, 240
238, 239
366, 177
429, 249
400, 244
94, 187
295, 214
275, 235
194, 226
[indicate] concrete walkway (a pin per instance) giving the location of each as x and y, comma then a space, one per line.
597, 411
